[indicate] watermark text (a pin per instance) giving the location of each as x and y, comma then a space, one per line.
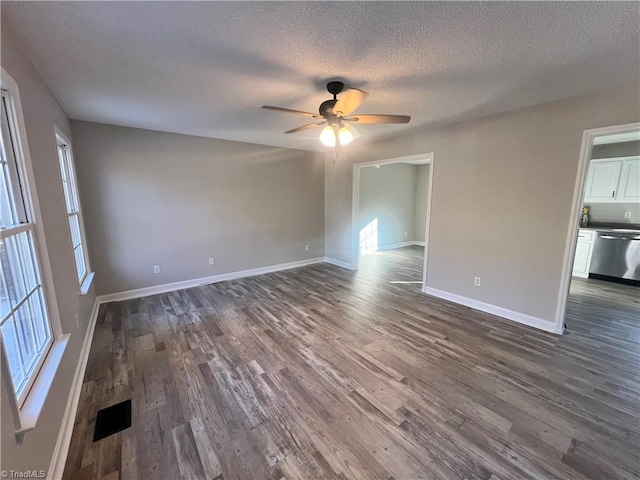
23, 474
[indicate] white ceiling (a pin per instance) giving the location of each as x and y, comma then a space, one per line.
205, 68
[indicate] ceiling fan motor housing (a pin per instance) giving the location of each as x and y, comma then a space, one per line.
334, 88
326, 108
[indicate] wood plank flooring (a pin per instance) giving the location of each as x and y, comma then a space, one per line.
320, 372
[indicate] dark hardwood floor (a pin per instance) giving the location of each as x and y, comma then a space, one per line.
320, 372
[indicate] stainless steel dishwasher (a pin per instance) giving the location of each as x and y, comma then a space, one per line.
617, 254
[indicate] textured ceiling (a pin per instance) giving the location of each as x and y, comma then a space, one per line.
205, 68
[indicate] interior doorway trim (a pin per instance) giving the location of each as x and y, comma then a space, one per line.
423, 158
586, 149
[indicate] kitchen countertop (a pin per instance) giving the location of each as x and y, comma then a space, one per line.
613, 228
627, 226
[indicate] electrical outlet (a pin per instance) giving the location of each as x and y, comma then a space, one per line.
476, 281
405, 234
156, 269
627, 214
306, 248
212, 261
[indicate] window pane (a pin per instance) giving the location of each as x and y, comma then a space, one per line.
10, 169
7, 215
73, 185
42, 331
65, 179
80, 267
63, 172
12, 349
67, 196
12, 268
5, 306
25, 244
75, 229
26, 336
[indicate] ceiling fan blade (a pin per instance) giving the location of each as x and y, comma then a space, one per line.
373, 119
288, 110
304, 127
349, 101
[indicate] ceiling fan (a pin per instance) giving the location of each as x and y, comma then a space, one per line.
336, 114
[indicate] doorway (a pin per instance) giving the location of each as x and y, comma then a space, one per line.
606, 202
375, 230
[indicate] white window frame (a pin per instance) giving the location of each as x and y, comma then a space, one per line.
26, 409
28, 307
73, 206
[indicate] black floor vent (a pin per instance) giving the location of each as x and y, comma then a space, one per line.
112, 420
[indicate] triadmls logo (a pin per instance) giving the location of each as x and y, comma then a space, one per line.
23, 474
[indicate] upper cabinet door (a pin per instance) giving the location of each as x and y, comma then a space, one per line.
602, 181
629, 186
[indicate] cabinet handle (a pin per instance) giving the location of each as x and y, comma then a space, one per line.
613, 194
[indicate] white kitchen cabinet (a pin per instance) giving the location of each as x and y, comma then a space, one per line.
584, 250
602, 181
629, 186
613, 180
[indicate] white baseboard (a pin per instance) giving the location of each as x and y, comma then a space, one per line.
419, 244
56, 468
545, 325
171, 287
338, 263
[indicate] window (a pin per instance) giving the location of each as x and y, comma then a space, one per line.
70, 187
25, 325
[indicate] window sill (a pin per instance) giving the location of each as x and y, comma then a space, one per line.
86, 283
30, 411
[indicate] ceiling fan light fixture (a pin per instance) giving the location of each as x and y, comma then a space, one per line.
345, 136
327, 137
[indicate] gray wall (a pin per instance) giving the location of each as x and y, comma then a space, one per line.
41, 112
422, 198
388, 194
154, 198
397, 195
502, 196
610, 150
614, 212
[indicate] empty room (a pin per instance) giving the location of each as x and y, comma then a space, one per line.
304, 240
